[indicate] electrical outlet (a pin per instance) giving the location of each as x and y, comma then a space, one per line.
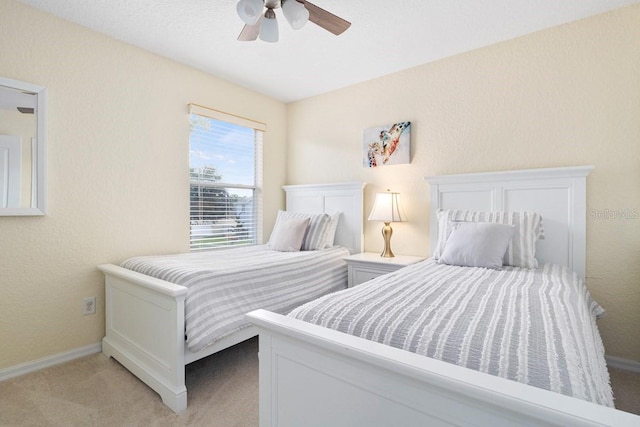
89, 305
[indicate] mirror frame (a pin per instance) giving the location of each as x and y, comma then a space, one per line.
38, 181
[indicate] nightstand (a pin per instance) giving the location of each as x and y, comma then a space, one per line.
369, 265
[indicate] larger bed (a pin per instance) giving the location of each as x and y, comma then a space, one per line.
342, 360
163, 312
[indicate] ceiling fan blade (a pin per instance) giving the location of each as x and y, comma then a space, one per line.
326, 20
250, 32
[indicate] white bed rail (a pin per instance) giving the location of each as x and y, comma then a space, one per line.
314, 376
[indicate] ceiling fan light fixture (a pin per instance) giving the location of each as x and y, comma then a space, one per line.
269, 27
296, 14
249, 10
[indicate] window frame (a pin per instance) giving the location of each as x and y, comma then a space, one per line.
259, 130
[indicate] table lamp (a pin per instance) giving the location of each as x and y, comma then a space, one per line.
387, 209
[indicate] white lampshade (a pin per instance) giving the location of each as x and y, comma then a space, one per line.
387, 208
250, 10
269, 27
296, 14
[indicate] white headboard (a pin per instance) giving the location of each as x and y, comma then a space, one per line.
558, 194
345, 197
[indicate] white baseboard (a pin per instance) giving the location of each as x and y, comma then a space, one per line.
45, 362
620, 363
56, 359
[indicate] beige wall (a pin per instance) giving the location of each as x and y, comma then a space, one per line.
564, 96
117, 172
117, 155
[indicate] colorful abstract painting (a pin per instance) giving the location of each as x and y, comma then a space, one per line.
387, 145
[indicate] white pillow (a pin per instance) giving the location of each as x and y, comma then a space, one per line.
522, 249
317, 230
288, 234
331, 230
477, 244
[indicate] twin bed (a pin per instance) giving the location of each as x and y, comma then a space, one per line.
162, 312
357, 356
343, 361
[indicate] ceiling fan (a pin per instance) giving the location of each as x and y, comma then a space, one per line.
296, 12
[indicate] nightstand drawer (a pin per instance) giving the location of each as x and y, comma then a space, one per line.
366, 266
358, 275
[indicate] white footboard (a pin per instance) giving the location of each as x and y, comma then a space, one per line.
314, 376
145, 331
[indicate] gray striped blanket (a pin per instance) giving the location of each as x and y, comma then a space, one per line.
537, 327
226, 284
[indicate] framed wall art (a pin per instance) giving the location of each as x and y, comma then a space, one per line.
387, 145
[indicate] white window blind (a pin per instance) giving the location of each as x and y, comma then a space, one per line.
225, 164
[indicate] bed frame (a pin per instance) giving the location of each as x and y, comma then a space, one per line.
145, 316
315, 376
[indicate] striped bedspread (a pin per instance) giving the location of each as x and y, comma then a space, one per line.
537, 327
226, 284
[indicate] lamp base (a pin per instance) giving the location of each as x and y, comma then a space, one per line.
387, 231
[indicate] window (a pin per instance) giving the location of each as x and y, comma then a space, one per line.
225, 168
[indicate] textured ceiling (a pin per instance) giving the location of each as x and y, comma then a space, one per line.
384, 37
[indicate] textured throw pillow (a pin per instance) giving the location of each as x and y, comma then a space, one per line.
522, 249
477, 244
317, 230
288, 234
331, 229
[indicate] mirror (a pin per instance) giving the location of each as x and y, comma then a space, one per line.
22, 148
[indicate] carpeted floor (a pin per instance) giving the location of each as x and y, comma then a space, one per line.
626, 390
223, 391
96, 391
